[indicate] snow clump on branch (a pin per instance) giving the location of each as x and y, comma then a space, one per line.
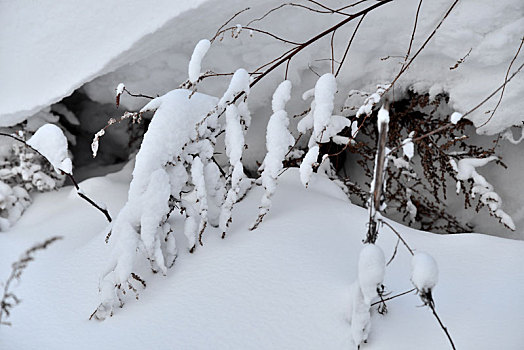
278, 142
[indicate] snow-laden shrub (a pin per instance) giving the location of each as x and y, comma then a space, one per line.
39, 167
175, 170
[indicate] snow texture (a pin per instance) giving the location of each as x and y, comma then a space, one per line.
285, 285
371, 270
278, 142
50, 142
424, 272
195, 64
306, 167
239, 83
234, 148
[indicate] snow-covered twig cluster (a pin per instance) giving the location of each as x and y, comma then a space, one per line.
467, 169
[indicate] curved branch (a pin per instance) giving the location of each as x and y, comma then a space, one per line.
70, 176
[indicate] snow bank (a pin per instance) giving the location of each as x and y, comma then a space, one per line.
285, 285
76, 41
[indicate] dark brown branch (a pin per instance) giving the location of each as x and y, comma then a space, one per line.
138, 95
451, 125
262, 32
432, 307
302, 46
70, 176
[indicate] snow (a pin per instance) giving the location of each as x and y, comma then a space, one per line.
382, 118
239, 83
455, 117
325, 90
278, 142
195, 63
306, 167
424, 272
371, 270
285, 285
89, 40
50, 141
120, 89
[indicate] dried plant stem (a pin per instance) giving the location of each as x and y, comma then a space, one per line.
444, 328
394, 296
9, 300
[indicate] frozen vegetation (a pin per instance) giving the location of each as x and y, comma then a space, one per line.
234, 142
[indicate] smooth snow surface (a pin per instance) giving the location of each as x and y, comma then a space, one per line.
48, 50
285, 285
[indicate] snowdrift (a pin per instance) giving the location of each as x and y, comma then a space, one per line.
284, 285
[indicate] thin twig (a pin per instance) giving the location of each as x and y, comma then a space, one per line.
398, 235
394, 296
406, 65
349, 44
70, 176
227, 22
505, 81
413, 32
394, 253
432, 307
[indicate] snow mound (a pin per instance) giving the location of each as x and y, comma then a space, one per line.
285, 285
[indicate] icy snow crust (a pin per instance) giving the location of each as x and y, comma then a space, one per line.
285, 285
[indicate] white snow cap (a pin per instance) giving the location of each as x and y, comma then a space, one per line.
456, 117
325, 90
239, 82
383, 117
195, 64
120, 89
51, 142
424, 272
306, 168
371, 270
